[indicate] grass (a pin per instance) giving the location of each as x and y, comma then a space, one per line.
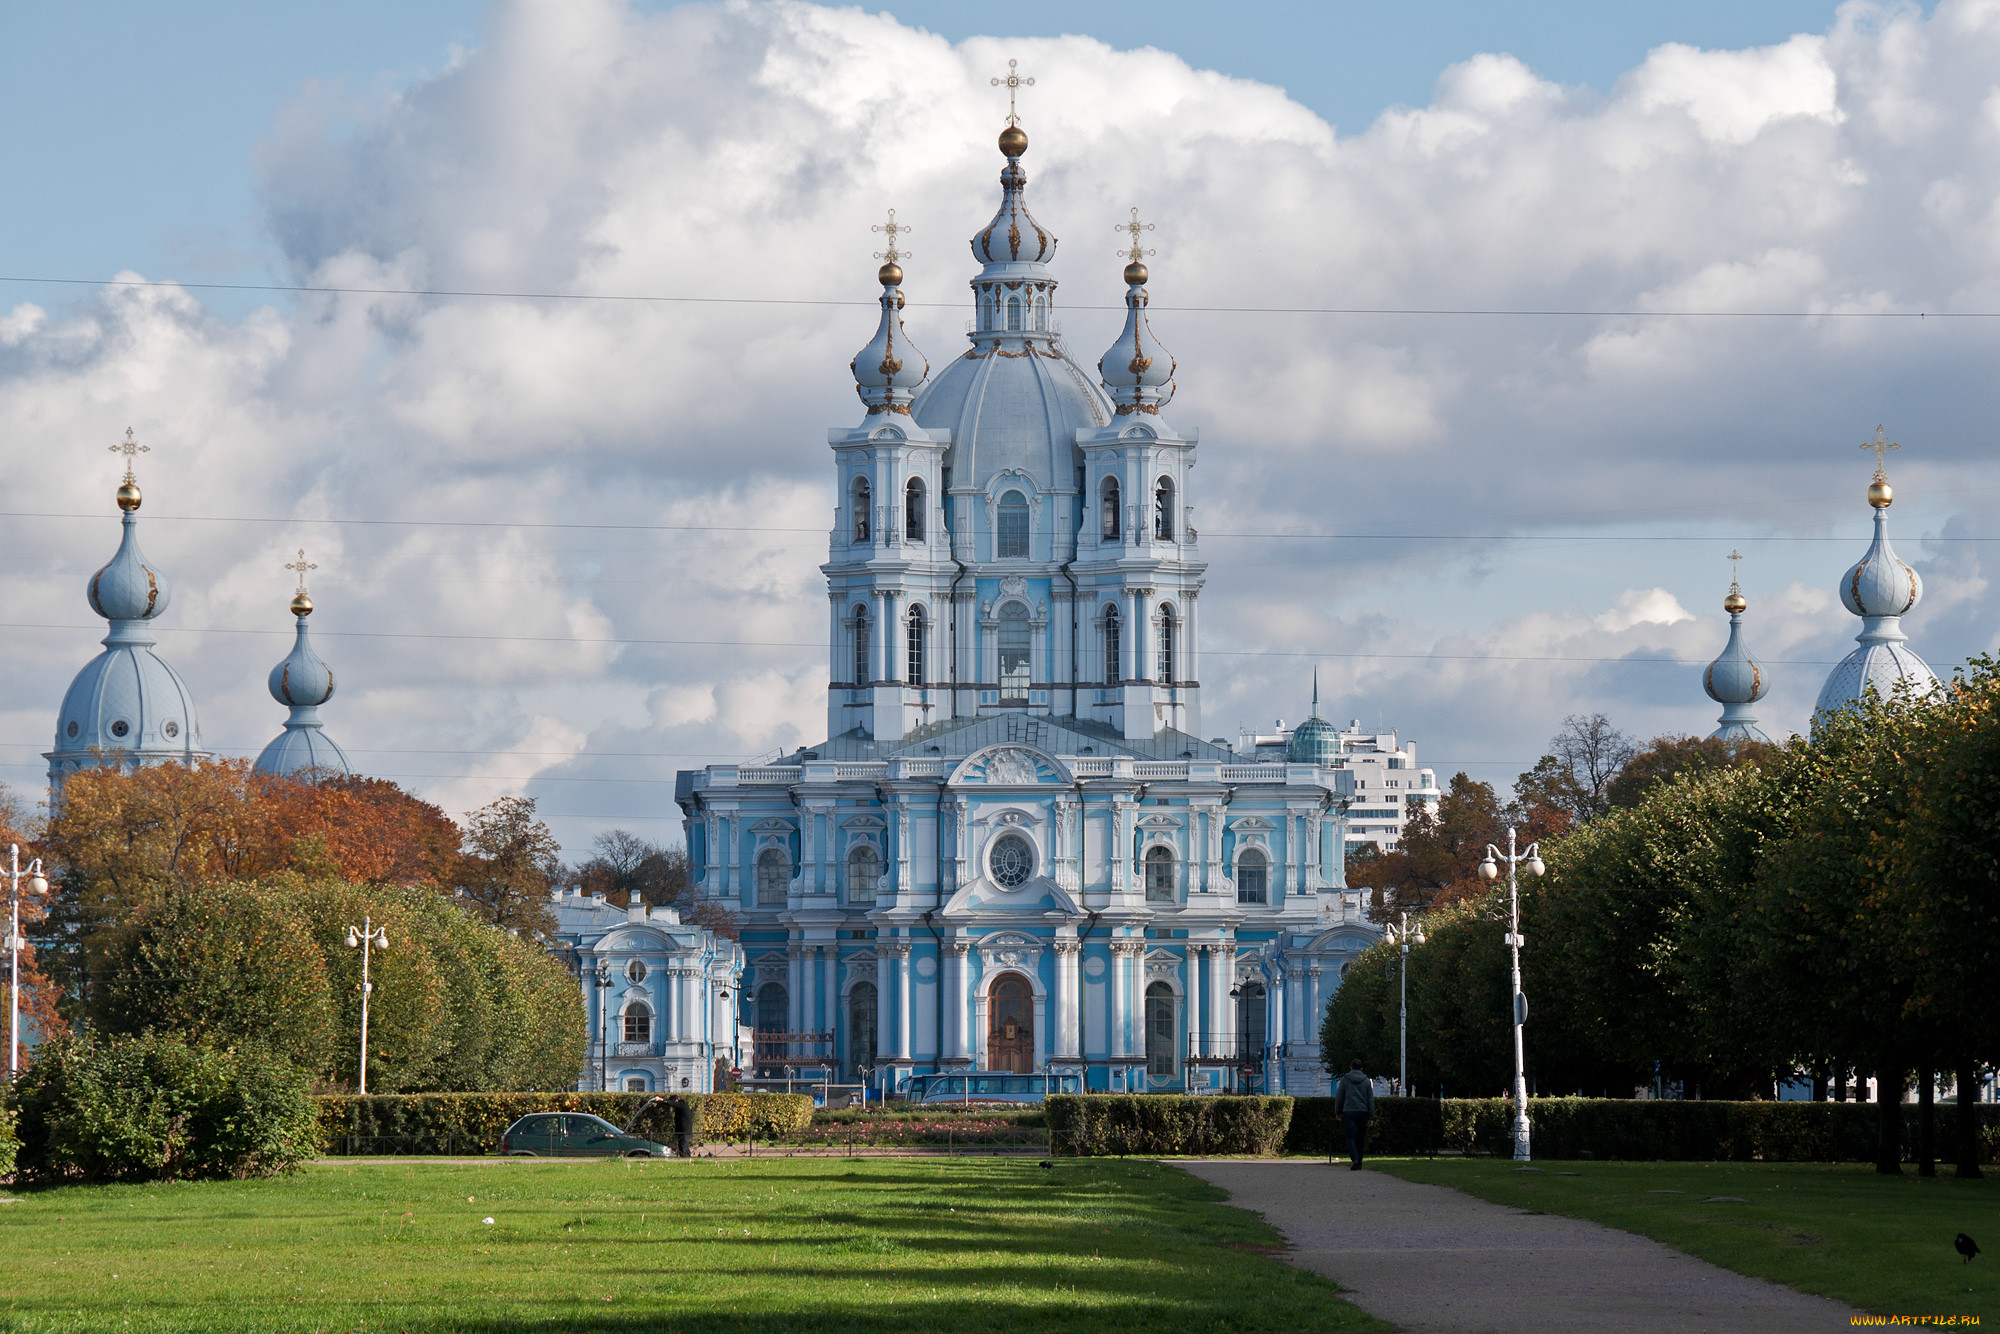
886, 1246
1883, 1244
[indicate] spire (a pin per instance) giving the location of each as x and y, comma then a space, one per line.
1013, 237
1736, 680
1314, 741
302, 682
1137, 371
1881, 590
128, 591
888, 372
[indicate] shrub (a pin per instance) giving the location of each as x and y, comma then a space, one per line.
1650, 1130
156, 1108
10, 1139
1098, 1124
473, 1122
1401, 1126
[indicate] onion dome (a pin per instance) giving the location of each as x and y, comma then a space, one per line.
1013, 237
1314, 741
302, 682
126, 706
1137, 371
1881, 590
1736, 680
888, 372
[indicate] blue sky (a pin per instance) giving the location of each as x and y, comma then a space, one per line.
132, 126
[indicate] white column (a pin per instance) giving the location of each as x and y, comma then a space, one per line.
956, 984
903, 1003
830, 984
1067, 982
1225, 1008
1196, 957
1115, 980
795, 993
885, 989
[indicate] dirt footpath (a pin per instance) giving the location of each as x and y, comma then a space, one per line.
1431, 1259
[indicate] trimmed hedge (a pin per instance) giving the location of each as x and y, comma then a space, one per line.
1402, 1126
474, 1122
1090, 1125
1650, 1130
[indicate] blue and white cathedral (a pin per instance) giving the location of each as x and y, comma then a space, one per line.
1014, 852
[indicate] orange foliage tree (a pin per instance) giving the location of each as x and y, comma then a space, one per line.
38, 995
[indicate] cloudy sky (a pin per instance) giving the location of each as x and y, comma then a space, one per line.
1615, 295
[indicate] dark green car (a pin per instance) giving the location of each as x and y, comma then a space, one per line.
574, 1135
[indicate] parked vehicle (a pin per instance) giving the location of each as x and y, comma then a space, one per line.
987, 1086
574, 1135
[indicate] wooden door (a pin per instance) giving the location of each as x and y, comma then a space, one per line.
1010, 1029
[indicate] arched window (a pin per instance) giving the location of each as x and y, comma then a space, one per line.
1012, 538
1252, 877
1166, 667
1163, 510
1159, 875
1112, 520
774, 877
1014, 651
1013, 312
863, 509
1251, 1024
1113, 670
861, 1015
1161, 1048
915, 640
638, 1022
913, 510
861, 677
864, 873
773, 1008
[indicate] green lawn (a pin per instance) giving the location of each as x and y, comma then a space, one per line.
1883, 1244
800, 1244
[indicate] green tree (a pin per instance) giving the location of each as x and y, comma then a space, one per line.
1574, 777
1665, 758
510, 864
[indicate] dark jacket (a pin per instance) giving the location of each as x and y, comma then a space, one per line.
683, 1117
1354, 1095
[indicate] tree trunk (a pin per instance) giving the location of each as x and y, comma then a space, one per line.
1927, 1117
1889, 1118
1840, 1084
1819, 1085
1966, 1139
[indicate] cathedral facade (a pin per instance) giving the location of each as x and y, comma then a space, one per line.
1014, 852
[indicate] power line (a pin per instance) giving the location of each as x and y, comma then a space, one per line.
822, 645
662, 299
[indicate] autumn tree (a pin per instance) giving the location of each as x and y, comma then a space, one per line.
1667, 757
39, 1012
623, 866
1436, 860
508, 867
1575, 776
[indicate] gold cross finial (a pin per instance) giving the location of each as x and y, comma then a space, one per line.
301, 565
130, 447
1132, 229
1014, 81
1734, 556
892, 229
1881, 444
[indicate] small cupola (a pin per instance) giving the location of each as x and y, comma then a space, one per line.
1137, 372
889, 370
1736, 680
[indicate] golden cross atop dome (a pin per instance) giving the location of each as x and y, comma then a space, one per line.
1132, 229
1734, 556
892, 229
1881, 444
1013, 81
300, 566
129, 447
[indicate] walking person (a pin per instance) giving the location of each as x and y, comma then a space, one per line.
1354, 1104
683, 1125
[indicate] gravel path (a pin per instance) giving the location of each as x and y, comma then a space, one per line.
1431, 1259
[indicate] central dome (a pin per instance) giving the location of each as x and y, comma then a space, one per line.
1016, 410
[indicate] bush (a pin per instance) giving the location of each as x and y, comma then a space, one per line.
1401, 1126
473, 1122
157, 1108
10, 1139
1087, 1125
1649, 1130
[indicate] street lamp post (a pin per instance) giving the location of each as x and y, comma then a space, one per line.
604, 983
368, 937
1402, 934
38, 885
1529, 860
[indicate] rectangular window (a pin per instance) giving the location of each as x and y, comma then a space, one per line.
916, 676
1013, 534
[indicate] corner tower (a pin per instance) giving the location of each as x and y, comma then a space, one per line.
1881, 590
127, 707
1735, 680
302, 682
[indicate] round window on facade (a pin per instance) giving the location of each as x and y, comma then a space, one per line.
74, 729
636, 970
120, 728
1012, 861
172, 729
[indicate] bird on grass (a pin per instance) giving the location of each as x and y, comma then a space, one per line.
1047, 1164
1966, 1247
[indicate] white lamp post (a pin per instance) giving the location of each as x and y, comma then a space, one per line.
1403, 934
368, 937
38, 884
1530, 861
